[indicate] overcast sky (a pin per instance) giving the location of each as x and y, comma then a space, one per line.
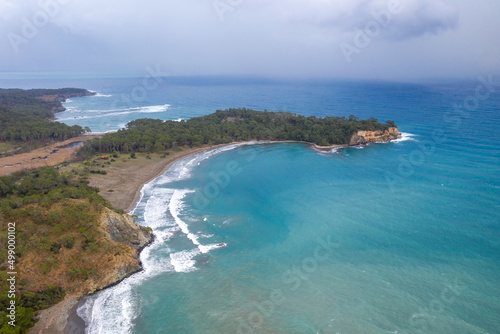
412, 39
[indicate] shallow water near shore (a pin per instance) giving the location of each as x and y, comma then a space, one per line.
278, 238
315, 243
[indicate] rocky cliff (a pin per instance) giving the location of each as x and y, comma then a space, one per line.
79, 270
120, 241
62, 98
120, 229
365, 137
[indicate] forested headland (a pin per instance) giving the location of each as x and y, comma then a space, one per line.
25, 116
226, 126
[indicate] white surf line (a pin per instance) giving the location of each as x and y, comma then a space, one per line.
183, 261
106, 113
175, 206
114, 309
405, 136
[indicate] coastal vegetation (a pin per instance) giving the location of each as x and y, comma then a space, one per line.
57, 236
25, 117
225, 126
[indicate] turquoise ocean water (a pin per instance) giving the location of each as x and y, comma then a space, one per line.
278, 238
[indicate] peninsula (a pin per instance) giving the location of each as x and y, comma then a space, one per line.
26, 118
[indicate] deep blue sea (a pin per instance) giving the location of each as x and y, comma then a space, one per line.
278, 238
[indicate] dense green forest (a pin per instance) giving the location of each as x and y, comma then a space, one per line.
25, 118
225, 126
52, 211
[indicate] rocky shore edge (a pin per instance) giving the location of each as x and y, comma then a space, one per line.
362, 138
63, 97
116, 227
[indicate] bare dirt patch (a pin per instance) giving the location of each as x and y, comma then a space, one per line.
50, 155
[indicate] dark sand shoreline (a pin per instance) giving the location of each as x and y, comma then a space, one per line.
74, 324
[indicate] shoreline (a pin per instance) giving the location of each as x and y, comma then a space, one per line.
55, 319
183, 154
73, 323
193, 151
125, 178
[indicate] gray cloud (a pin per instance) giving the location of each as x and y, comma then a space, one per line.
256, 37
414, 17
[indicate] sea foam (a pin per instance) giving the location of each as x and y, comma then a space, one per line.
183, 261
405, 136
114, 112
114, 309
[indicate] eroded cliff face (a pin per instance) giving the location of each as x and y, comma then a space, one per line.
81, 271
120, 241
123, 230
365, 137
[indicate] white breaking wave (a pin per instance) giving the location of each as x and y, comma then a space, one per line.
327, 152
181, 170
175, 206
99, 94
147, 188
155, 213
208, 154
116, 112
114, 309
152, 109
183, 261
118, 305
405, 137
